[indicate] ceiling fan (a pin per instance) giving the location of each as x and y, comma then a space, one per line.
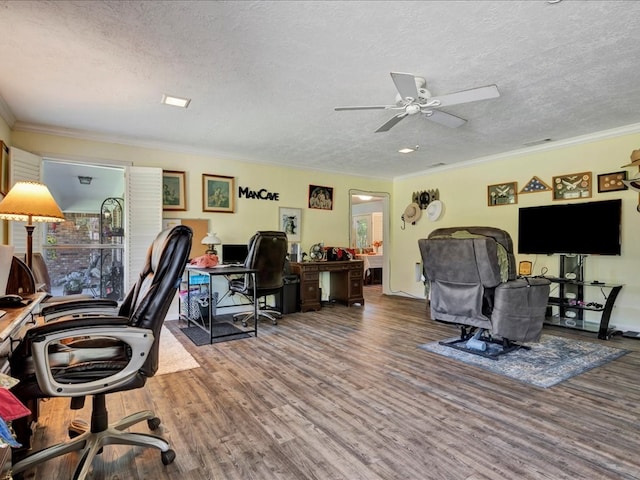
413, 97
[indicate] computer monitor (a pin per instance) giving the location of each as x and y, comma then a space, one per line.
234, 252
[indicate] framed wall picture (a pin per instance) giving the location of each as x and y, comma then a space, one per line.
535, 185
612, 182
502, 194
320, 197
218, 193
173, 190
290, 222
572, 186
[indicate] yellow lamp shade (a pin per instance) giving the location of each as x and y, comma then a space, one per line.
30, 202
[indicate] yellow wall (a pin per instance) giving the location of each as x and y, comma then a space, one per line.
464, 194
330, 227
5, 132
462, 190
5, 136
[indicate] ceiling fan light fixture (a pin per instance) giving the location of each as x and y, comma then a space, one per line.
175, 101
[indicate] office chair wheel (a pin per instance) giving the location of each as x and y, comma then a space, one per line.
153, 423
168, 457
275, 322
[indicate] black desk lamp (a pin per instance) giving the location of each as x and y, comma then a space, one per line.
30, 202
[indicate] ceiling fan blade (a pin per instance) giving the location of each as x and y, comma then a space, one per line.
368, 107
466, 96
406, 85
444, 118
391, 122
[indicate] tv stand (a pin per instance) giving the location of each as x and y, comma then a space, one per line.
569, 307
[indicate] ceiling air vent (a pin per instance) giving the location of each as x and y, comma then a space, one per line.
536, 142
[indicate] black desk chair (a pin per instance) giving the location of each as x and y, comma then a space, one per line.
79, 356
267, 254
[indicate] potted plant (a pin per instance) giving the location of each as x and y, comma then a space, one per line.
73, 283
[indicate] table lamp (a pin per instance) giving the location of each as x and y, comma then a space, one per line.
211, 240
30, 202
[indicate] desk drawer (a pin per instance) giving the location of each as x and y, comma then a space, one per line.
355, 273
310, 276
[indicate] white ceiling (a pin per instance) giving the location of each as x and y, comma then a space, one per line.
264, 76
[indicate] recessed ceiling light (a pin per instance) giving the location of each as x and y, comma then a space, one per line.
364, 198
175, 101
406, 150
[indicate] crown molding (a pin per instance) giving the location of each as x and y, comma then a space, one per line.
6, 113
156, 145
554, 145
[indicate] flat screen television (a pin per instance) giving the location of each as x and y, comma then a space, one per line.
234, 253
590, 228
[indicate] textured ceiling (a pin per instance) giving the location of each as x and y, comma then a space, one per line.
265, 76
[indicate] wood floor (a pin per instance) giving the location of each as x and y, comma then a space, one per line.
346, 394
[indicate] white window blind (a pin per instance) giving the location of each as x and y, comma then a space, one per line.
143, 221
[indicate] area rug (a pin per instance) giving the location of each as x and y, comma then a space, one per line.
199, 337
549, 362
173, 356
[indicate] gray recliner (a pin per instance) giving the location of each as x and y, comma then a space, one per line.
471, 275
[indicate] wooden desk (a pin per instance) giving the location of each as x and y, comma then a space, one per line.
13, 325
12, 328
346, 282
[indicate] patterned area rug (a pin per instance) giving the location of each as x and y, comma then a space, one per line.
547, 363
173, 356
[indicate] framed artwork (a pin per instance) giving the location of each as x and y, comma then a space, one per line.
218, 193
320, 197
290, 220
4, 187
502, 194
612, 182
572, 186
173, 190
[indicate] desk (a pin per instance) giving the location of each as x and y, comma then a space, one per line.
346, 282
12, 328
206, 325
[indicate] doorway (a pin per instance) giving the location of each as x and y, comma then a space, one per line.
85, 252
369, 234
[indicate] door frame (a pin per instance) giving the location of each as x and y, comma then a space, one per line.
386, 230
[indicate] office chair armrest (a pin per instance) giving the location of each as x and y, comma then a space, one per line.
139, 340
99, 306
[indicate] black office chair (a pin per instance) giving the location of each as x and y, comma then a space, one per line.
267, 254
78, 356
